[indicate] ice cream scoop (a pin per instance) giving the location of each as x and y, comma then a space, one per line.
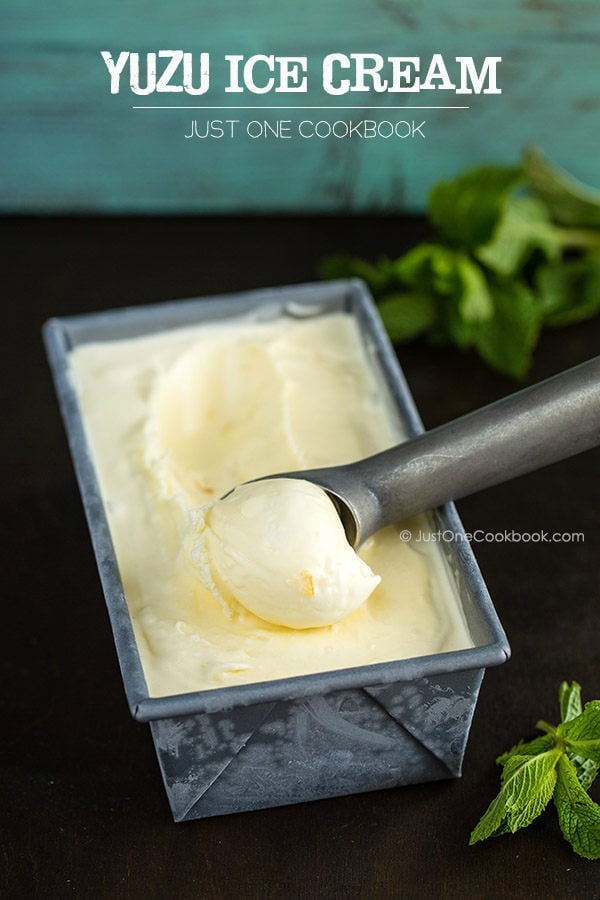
532, 428
284, 551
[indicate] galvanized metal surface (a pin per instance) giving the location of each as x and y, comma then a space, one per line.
311, 748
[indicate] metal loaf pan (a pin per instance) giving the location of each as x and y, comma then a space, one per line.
313, 736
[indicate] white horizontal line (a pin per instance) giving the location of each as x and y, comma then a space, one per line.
300, 108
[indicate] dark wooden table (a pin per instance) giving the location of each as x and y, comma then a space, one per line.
83, 808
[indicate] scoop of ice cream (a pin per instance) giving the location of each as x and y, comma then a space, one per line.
279, 548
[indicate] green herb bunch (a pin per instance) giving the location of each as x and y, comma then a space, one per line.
517, 249
560, 765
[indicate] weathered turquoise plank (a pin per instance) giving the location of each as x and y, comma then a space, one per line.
67, 144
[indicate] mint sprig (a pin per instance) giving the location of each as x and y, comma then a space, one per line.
559, 765
516, 249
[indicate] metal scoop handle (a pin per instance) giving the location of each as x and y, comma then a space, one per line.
539, 425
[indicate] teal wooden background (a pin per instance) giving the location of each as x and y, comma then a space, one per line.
66, 144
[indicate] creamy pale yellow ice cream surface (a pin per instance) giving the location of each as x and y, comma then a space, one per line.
177, 419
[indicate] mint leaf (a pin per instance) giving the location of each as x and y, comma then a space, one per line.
429, 267
581, 735
532, 780
569, 698
458, 282
531, 748
528, 785
464, 294
569, 292
506, 341
475, 302
584, 726
585, 769
578, 815
466, 209
524, 225
405, 316
571, 708
453, 324
493, 822
568, 200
